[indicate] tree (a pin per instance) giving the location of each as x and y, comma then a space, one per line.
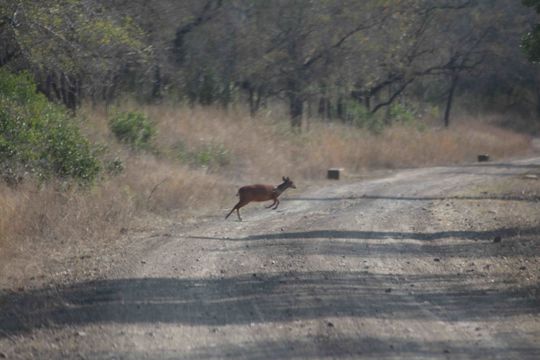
331, 53
301, 40
71, 46
422, 39
531, 41
432, 42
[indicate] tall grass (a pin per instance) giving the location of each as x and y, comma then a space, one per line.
199, 157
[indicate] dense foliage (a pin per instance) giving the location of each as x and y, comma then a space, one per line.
133, 128
74, 48
39, 138
329, 57
531, 41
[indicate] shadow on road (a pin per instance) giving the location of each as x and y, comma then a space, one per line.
503, 166
376, 235
359, 347
526, 198
345, 347
511, 169
256, 298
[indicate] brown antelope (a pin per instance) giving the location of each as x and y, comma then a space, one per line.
259, 192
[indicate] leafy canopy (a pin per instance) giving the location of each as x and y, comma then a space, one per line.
531, 41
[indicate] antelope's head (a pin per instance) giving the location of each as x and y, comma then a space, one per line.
287, 183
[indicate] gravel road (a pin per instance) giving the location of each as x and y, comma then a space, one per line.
397, 267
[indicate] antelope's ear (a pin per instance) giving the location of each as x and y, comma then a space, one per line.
284, 178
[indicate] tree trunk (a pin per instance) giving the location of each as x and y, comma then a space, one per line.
296, 110
340, 109
538, 104
255, 98
251, 100
367, 102
156, 84
450, 99
296, 103
321, 109
537, 88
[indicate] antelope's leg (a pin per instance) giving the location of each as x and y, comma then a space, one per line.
238, 213
234, 208
237, 208
272, 204
277, 204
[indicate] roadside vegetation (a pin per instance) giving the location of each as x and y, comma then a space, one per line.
197, 157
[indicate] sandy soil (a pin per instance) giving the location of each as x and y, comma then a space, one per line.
426, 263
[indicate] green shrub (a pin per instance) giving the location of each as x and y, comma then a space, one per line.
38, 137
133, 128
358, 115
400, 114
114, 167
211, 155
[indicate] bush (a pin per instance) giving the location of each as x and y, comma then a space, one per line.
401, 114
212, 155
114, 167
38, 137
358, 115
133, 128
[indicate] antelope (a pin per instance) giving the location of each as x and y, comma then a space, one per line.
260, 192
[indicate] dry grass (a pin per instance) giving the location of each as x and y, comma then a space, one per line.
263, 149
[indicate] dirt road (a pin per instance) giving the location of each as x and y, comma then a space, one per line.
424, 263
